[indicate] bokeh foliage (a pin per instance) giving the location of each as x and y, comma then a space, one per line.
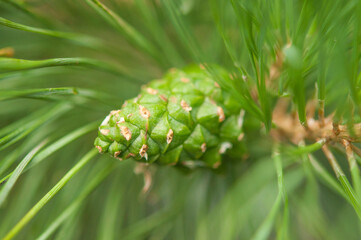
81, 59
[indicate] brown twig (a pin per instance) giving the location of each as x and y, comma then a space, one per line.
356, 150
142, 168
333, 162
349, 153
289, 129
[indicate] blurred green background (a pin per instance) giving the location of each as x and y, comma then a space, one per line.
135, 42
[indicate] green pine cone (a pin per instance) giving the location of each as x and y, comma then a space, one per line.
183, 119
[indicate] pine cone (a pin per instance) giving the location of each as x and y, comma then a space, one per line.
184, 118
